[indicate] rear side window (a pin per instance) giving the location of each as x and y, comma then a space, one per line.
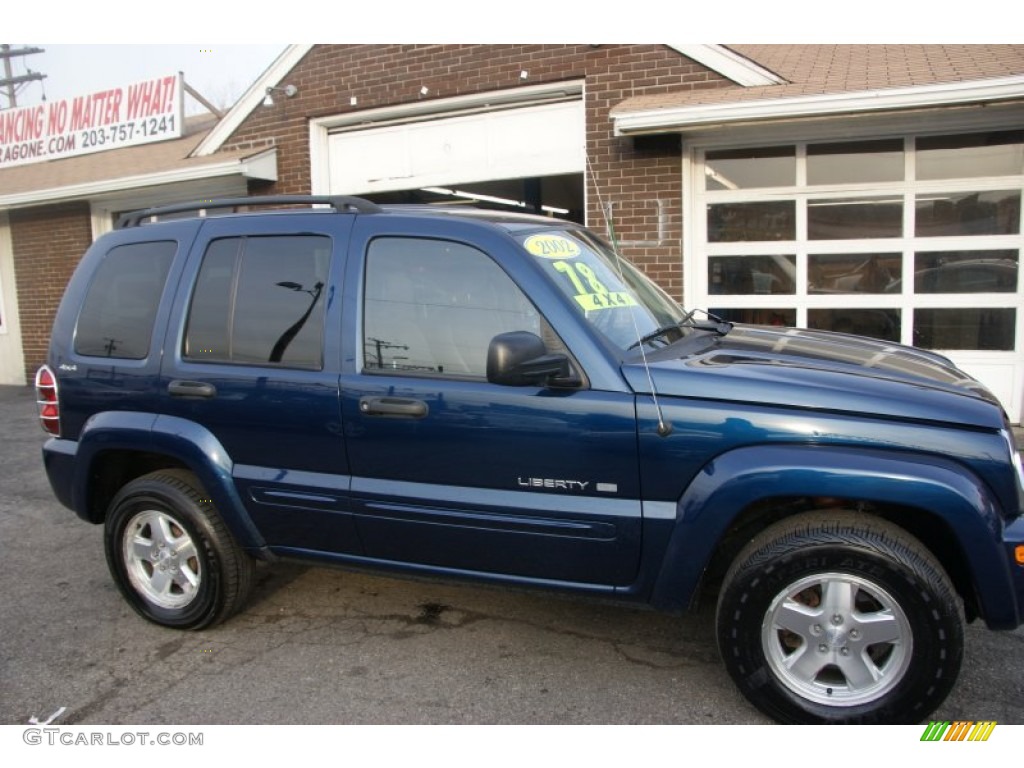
120, 306
259, 301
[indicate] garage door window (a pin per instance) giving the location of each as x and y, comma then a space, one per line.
855, 162
914, 239
974, 155
973, 213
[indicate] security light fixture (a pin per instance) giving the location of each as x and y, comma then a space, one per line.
288, 90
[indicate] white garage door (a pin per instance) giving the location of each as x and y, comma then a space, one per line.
541, 140
913, 239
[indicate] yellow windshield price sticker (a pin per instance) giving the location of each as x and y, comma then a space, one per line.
592, 302
552, 246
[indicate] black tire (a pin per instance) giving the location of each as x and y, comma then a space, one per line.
171, 555
840, 617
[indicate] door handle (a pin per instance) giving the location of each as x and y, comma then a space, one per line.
182, 388
399, 407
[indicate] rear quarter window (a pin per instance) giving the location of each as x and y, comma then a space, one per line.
120, 306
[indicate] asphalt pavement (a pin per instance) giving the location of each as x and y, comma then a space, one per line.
317, 645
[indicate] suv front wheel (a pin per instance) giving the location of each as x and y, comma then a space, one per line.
171, 555
838, 617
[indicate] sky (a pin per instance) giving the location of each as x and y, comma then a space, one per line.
126, 42
221, 73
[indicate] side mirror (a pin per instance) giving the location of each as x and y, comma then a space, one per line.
520, 359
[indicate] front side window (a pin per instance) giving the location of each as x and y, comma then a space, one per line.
259, 301
432, 307
121, 303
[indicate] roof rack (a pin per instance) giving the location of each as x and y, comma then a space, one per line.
340, 203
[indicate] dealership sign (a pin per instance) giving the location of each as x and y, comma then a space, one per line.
143, 112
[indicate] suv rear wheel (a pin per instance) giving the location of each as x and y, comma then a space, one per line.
171, 555
840, 618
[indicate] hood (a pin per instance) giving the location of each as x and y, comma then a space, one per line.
818, 370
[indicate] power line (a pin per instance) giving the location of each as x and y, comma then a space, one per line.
10, 82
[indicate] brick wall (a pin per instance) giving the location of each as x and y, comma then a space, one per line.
641, 179
48, 243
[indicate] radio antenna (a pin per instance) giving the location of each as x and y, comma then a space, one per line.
664, 428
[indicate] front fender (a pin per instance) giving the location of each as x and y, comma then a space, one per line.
180, 439
945, 492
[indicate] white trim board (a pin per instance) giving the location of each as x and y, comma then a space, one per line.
819, 105
262, 165
730, 64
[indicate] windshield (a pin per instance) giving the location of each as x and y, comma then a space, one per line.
613, 295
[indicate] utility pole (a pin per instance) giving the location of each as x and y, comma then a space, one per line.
381, 345
10, 80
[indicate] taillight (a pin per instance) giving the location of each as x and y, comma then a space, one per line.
46, 397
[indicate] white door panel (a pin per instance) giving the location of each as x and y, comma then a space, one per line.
530, 141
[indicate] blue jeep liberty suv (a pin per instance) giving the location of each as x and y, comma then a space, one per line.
470, 394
